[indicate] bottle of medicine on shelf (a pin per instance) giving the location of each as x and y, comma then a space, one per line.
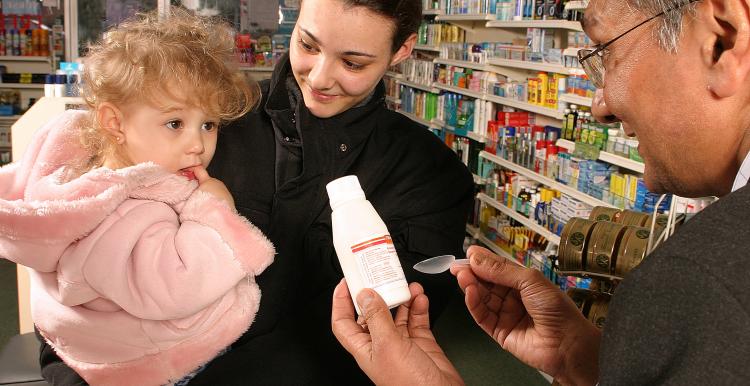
364, 245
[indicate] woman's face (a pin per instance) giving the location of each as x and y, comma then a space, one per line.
339, 54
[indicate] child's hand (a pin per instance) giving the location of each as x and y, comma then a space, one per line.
211, 185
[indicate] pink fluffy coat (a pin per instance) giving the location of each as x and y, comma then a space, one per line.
137, 278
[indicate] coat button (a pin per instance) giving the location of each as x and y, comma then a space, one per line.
343, 147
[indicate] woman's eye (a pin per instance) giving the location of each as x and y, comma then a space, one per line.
352, 66
174, 125
305, 46
210, 126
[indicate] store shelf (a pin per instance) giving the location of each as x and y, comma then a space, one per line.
472, 231
534, 66
570, 146
392, 99
458, 90
576, 99
570, 191
6, 58
604, 156
627, 163
394, 75
576, 5
466, 17
430, 12
21, 86
424, 47
463, 63
494, 248
420, 86
527, 222
418, 119
469, 134
589, 274
559, 24
9, 118
258, 69
525, 106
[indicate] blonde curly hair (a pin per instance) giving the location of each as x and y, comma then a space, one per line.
145, 58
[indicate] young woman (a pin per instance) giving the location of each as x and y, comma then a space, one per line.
322, 116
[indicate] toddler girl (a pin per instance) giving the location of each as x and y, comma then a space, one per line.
141, 269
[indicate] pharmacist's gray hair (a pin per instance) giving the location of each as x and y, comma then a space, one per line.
669, 26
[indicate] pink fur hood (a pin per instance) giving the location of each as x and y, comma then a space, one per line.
137, 277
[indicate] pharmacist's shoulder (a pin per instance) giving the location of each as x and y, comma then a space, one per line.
716, 243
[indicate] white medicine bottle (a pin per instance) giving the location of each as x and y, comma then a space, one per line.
363, 245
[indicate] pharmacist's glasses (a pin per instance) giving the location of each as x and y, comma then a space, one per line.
592, 61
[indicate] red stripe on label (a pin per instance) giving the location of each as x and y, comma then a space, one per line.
386, 237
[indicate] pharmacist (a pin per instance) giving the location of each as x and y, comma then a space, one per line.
322, 116
677, 76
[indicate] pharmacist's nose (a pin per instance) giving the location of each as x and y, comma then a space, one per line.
320, 75
600, 110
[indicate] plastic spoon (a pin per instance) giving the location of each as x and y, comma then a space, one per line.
438, 264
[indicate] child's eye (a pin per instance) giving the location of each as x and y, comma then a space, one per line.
210, 126
352, 66
174, 125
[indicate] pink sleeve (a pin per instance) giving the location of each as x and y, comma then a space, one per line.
164, 269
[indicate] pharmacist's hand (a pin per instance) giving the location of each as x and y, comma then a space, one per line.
211, 185
391, 352
529, 317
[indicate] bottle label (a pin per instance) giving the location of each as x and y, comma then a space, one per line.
378, 262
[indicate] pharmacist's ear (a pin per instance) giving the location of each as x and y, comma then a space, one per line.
109, 118
405, 50
726, 47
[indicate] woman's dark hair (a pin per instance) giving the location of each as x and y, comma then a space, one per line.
405, 14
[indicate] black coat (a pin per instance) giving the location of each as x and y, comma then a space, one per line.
415, 182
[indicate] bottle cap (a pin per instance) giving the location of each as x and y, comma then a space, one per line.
343, 190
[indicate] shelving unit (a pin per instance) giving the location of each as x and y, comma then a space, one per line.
465, 17
495, 249
534, 66
425, 47
392, 99
458, 90
576, 99
22, 86
525, 106
44, 59
557, 24
257, 69
527, 222
424, 122
429, 12
394, 75
569, 190
469, 134
610, 158
463, 63
423, 87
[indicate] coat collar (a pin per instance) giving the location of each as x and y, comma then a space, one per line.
354, 125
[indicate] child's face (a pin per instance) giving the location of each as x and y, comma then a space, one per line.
177, 136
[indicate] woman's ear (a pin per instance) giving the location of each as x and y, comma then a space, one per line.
405, 50
727, 48
109, 118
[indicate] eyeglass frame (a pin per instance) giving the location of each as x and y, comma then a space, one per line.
585, 54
